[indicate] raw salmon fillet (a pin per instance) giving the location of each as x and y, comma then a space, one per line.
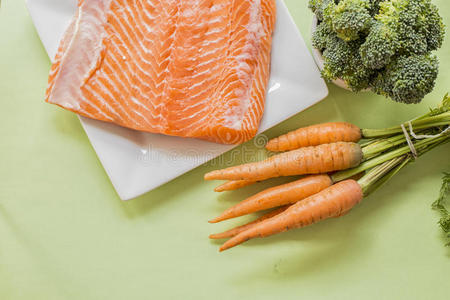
189, 68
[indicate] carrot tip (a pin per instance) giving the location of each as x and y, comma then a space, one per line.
216, 236
226, 246
211, 175
215, 220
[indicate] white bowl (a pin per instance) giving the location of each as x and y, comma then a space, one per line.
318, 57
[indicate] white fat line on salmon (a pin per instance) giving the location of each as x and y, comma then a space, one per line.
102, 101
143, 72
108, 92
127, 63
207, 62
137, 42
134, 88
139, 16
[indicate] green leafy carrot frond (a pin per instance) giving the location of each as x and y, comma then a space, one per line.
439, 205
443, 107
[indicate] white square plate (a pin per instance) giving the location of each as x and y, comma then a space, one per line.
138, 162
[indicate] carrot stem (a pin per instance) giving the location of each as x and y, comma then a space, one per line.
381, 173
339, 176
368, 142
382, 145
377, 176
421, 123
387, 176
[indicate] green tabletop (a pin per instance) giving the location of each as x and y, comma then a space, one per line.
65, 234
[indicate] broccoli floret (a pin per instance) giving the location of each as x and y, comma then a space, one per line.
379, 46
417, 25
342, 60
348, 18
407, 79
336, 54
374, 6
430, 24
357, 76
412, 40
383, 40
321, 35
318, 6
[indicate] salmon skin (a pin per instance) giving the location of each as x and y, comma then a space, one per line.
188, 68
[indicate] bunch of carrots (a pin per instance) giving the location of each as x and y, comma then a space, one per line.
329, 155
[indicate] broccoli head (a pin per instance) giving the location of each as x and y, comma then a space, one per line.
342, 60
407, 79
381, 44
348, 18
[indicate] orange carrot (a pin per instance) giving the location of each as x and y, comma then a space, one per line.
331, 202
315, 135
310, 160
233, 185
235, 231
277, 196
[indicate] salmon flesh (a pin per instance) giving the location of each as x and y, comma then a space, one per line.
188, 68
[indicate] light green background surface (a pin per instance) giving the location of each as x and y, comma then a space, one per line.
64, 233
